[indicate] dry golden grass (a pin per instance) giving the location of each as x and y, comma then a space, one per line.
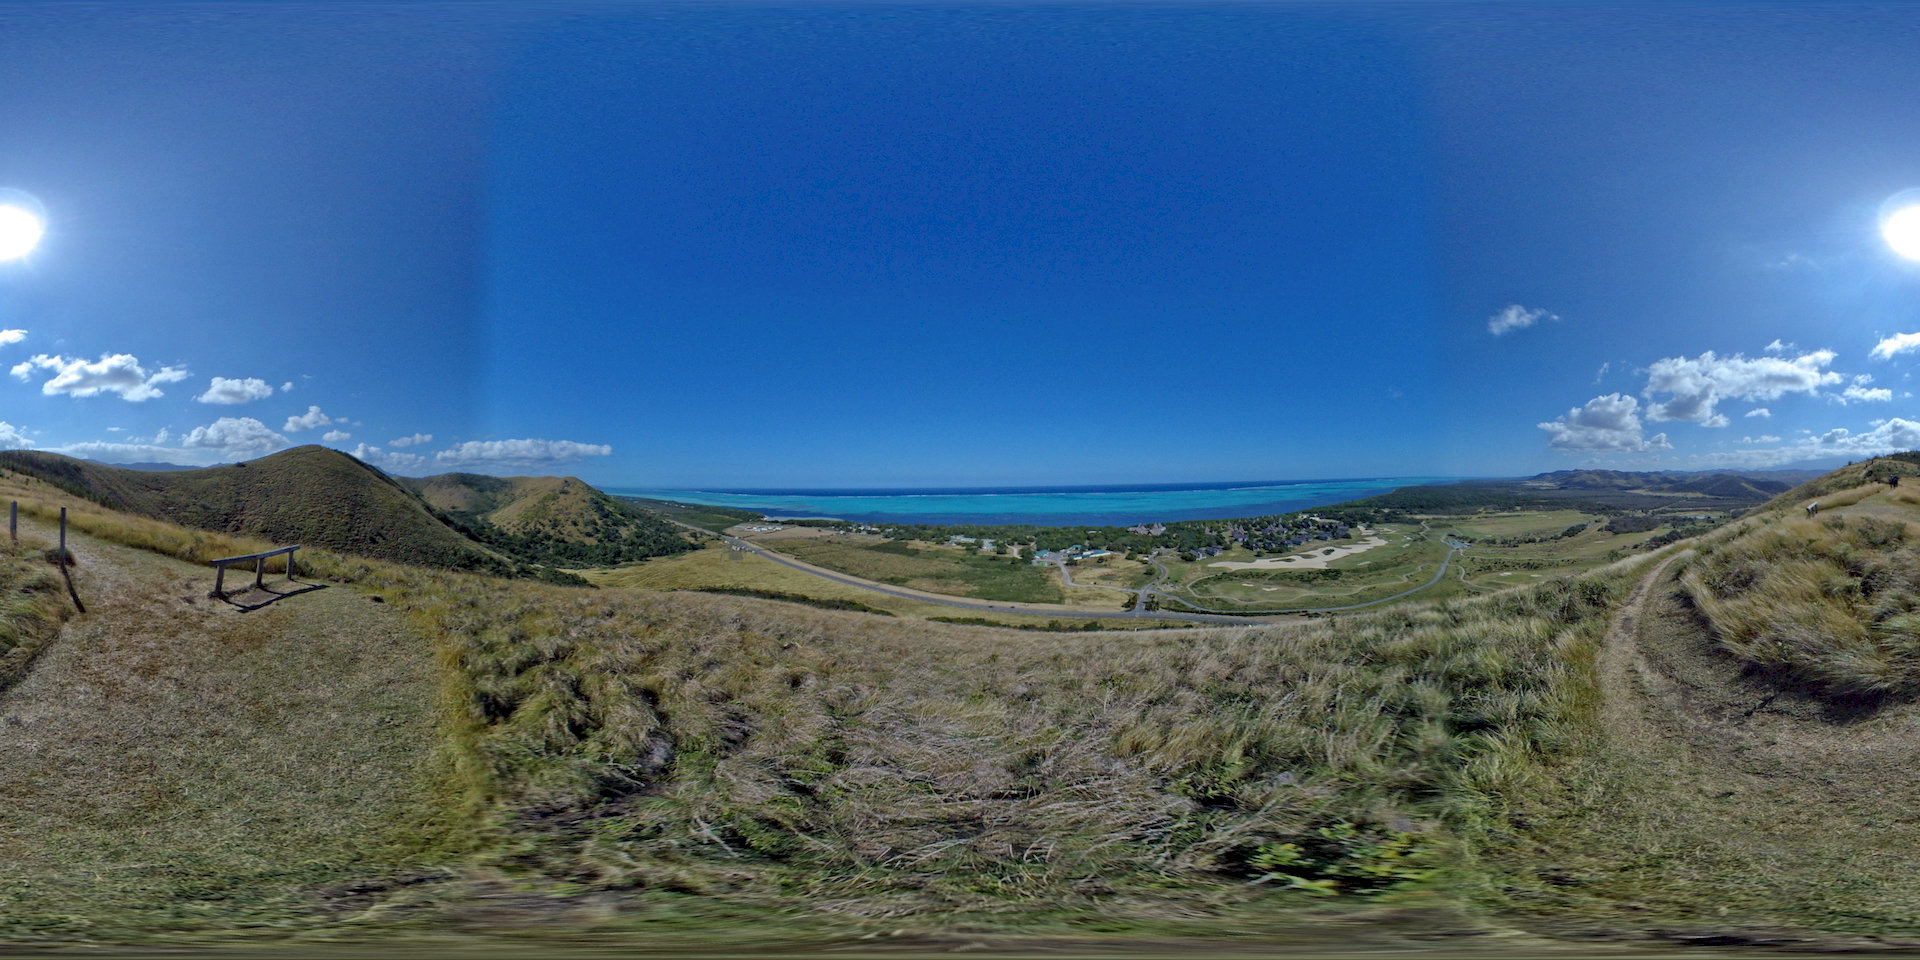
864, 774
173, 767
868, 773
32, 604
890, 771
1832, 602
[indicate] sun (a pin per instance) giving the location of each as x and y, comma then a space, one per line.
20, 230
1901, 227
1900, 223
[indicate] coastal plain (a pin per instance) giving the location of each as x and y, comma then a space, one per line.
1424, 544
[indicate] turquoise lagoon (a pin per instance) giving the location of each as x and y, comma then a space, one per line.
1048, 506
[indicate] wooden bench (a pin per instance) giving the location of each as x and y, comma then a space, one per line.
259, 568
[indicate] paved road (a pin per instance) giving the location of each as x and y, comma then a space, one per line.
1138, 612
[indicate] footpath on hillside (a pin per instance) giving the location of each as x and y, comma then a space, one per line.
1722, 805
172, 763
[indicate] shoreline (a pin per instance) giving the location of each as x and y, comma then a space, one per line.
1049, 508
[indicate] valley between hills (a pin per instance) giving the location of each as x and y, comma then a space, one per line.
1632, 710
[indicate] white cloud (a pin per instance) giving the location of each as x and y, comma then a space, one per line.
1799, 261
389, 461
1887, 436
1892, 436
1516, 317
11, 438
1865, 395
117, 373
161, 437
312, 419
11, 336
418, 438
1759, 412
223, 390
335, 436
1777, 347
287, 387
1607, 424
1604, 367
239, 437
133, 453
519, 453
1898, 343
1696, 385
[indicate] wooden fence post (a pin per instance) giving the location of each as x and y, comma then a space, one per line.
64, 575
13, 522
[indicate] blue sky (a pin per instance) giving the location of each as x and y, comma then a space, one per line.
865, 245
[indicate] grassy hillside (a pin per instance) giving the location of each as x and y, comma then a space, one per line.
1753, 764
1826, 603
1583, 751
559, 521
917, 774
1831, 604
310, 495
1851, 476
172, 768
698, 755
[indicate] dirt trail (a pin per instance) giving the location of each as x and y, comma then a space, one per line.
1622, 670
170, 760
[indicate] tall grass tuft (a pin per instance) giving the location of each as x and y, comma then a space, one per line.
1830, 603
32, 605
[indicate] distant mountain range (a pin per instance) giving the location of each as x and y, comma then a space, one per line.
1763, 484
321, 497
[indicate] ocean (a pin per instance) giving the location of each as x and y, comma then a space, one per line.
1048, 506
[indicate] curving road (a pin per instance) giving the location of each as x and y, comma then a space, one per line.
1138, 611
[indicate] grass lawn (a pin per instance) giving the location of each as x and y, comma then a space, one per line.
1115, 572
1359, 578
1517, 523
719, 568
1407, 560
924, 566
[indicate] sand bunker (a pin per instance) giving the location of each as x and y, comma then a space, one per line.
1317, 560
